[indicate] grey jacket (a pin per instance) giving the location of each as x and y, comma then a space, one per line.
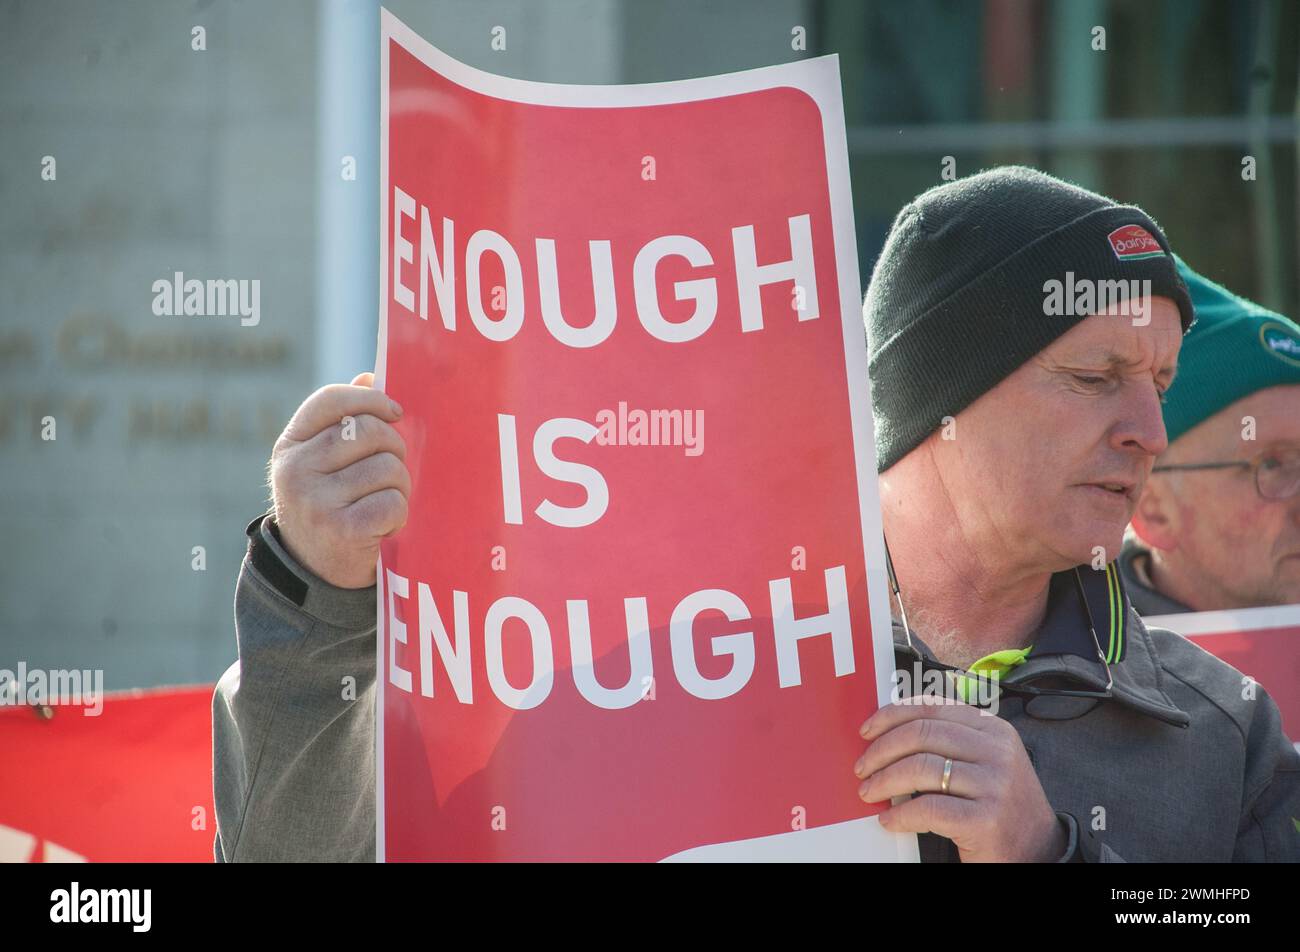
1184, 763
293, 755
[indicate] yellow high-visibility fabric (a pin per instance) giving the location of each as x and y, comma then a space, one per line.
991, 666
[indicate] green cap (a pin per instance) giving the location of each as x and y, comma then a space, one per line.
1234, 349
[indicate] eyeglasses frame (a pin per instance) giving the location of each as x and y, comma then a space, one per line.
1254, 464
1002, 687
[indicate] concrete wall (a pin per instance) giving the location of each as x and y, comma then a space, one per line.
220, 163
167, 159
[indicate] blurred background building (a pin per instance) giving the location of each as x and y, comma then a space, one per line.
123, 535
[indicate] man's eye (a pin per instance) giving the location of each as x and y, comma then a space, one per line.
1089, 381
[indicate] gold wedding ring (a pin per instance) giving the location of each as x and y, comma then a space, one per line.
947, 774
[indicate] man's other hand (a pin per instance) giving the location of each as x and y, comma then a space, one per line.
339, 481
995, 809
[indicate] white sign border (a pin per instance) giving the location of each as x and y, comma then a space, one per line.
1228, 621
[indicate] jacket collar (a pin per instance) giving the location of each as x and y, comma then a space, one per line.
1087, 609
1064, 647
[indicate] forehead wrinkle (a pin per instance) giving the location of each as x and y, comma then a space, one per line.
1107, 356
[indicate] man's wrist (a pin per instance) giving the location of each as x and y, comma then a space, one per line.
276, 566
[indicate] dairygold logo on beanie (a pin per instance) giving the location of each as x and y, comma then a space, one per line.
1281, 341
1134, 243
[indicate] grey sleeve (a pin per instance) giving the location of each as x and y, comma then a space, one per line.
1270, 817
293, 720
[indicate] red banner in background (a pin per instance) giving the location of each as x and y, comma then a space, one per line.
132, 783
1262, 643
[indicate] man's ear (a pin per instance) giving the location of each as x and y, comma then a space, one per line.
1155, 521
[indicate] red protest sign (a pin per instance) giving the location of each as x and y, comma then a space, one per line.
629, 615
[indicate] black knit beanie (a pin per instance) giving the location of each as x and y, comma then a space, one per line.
956, 302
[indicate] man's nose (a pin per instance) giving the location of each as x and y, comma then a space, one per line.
1142, 423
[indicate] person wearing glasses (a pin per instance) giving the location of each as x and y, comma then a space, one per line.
1218, 525
1014, 438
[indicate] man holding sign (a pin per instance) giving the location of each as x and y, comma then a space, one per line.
1138, 743
592, 643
